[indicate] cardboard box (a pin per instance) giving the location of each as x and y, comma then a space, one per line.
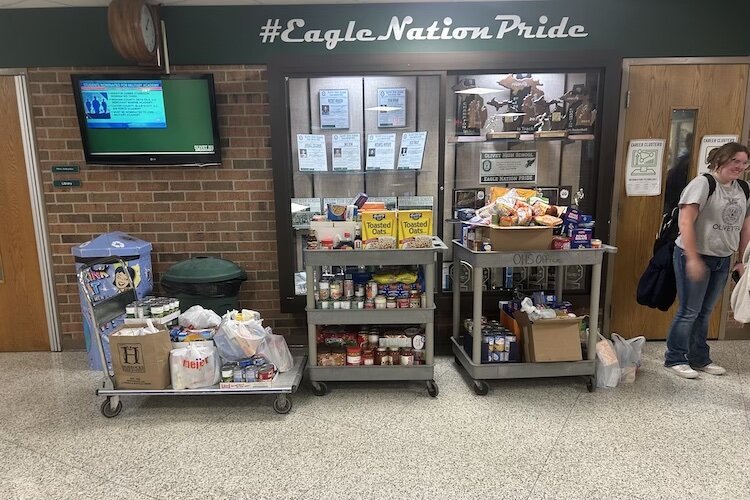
414, 228
518, 237
379, 230
549, 340
141, 362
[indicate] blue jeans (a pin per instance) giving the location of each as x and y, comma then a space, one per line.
686, 341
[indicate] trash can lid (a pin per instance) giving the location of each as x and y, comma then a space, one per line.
115, 243
204, 270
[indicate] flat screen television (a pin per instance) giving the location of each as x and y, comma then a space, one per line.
144, 119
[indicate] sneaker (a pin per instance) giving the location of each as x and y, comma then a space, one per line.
712, 369
684, 371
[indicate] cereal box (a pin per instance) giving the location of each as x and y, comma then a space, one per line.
415, 228
379, 230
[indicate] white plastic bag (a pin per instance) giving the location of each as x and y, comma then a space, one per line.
628, 355
237, 338
275, 349
740, 299
194, 366
607, 365
198, 318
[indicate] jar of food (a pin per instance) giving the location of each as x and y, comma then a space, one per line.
348, 286
419, 356
381, 353
227, 372
394, 355
359, 303
326, 244
368, 356
372, 289
335, 289
596, 243
380, 302
335, 304
390, 303
406, 356
324, 290
414, 300
353, 355
369, 304
373, 338
359, 290
324, 304
312, 241
346, 303
403, 303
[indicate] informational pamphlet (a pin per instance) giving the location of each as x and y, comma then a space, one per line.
412, 150
393, 104
644, 167
311, 152
381, 151
334, 109
346, 152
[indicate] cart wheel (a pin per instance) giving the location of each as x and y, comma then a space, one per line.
432, 388
591, 384
481, 387
282, 404
110, 412
319, 388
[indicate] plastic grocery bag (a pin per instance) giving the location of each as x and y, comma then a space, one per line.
276, 350
607, 365
629, 356
239, 337
740, 299
198, 318
194, 366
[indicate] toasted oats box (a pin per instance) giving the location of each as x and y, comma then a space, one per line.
379, 230
415, 228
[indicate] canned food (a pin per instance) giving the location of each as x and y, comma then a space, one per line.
403, 303
227, 372
359, 290
406, 356
325, 304
238, 374
360, 303
372, 289
369, 304
324, 290
251, 374
390, 303
336, 290
346, 304
348, 288
336, 304
266, 372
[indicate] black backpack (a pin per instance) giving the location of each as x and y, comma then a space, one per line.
669, 229
657, 287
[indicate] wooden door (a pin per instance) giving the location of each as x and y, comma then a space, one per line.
23, 324
717, 93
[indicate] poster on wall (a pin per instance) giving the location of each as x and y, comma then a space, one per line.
708, 144
507, 166
644, 167
311, 153
381, 150
346, 152
334, 109
411, 152
392, 108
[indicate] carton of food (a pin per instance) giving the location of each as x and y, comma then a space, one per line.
379, 230
415, 228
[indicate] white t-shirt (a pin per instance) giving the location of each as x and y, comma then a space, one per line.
718, 226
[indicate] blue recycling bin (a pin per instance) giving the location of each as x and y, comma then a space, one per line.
104, 281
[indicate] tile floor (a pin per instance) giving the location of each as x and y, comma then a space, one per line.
662, 437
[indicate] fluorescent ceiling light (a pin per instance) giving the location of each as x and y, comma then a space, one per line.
384, 108
514, 115
478, 91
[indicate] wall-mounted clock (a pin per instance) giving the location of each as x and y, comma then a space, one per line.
134, 30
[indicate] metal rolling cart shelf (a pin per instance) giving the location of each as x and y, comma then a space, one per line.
318, 375
109, 309
480, 372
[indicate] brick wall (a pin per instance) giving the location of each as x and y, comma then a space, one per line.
225, 211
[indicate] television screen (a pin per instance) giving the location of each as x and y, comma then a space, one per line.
147, 119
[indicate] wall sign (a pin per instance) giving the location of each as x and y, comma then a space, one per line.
708, 144
346, 152
412, 150
381, 150
507, 166
72, 169
645, 158
311, 153
67, 183
393, 108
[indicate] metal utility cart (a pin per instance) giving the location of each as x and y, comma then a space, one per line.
321, 374
480, 372
103, 312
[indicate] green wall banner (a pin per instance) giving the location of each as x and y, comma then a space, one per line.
256, 34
